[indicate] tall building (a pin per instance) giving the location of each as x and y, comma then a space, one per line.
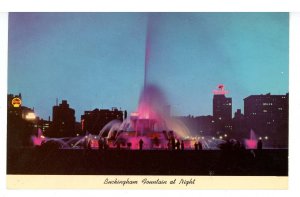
21, 122
222, 110
267, 115
222, 105
63, 121
93, 121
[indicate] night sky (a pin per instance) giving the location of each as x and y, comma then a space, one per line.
96, 60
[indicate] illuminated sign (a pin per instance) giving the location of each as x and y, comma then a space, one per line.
221, 90
16, 102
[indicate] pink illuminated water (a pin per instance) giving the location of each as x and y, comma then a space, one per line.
37, 140
251, 143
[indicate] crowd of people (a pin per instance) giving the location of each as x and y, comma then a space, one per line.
173, 144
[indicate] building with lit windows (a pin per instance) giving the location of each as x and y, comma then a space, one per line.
222, 105
222, 110
267, 115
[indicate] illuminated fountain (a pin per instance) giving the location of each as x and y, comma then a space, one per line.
251, 143
151, 123
37, 140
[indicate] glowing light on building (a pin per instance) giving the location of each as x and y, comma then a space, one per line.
221, 90
30, 116
16, 102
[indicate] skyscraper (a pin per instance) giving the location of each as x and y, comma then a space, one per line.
222, 105
63, 118
222, 111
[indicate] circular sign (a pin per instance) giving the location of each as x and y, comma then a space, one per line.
16, 102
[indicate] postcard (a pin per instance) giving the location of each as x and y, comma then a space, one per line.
160, 100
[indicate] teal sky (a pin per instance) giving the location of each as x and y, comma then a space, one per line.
96, 60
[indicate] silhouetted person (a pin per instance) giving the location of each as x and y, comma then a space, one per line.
85, 144
259, 144
129, 145
196, 146
105, 145
156, 141
169, 145
89, 144
100, 144
243, 147
199, 146
173, 143
237, 145
182, 145
125, 114
141, 142
177, 145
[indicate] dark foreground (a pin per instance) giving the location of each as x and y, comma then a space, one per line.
147, 162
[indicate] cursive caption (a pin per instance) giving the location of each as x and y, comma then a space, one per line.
146, 181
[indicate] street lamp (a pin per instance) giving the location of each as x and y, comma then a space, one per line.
266, 138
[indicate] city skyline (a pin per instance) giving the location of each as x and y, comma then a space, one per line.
97, 60
59, 102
